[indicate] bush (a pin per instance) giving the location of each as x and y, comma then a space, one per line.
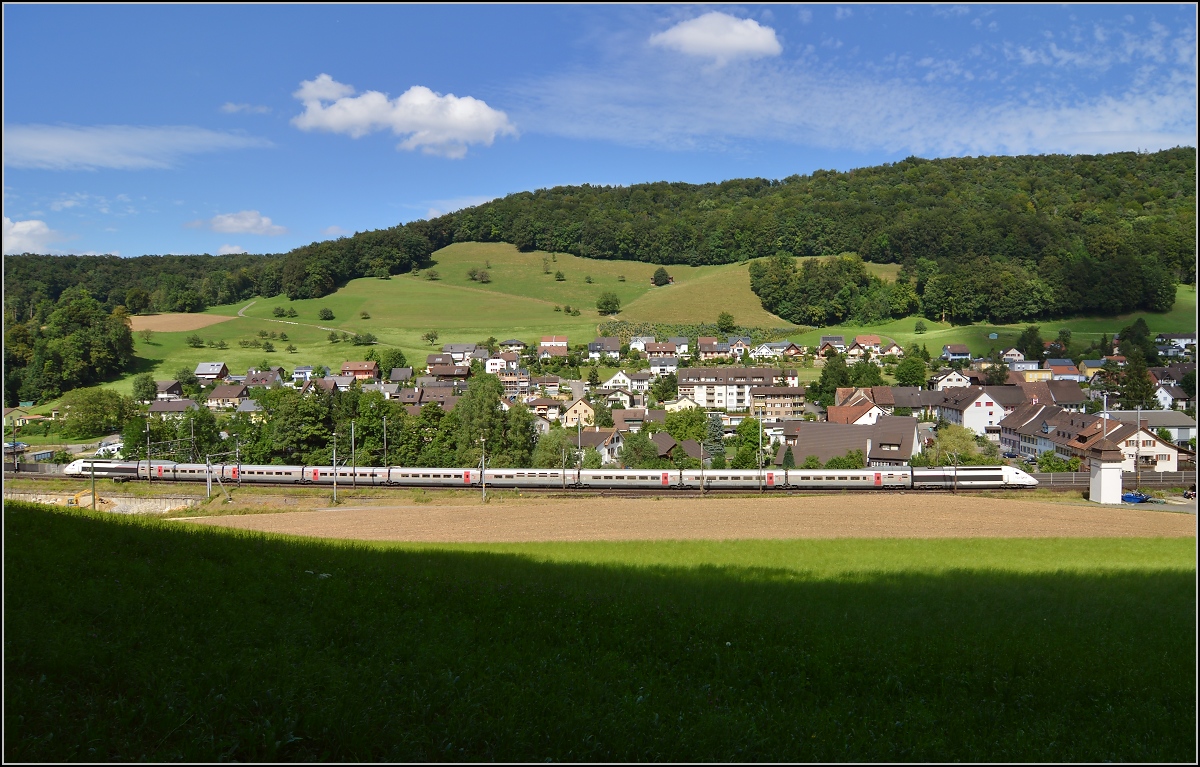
291, 312
364, 315
333, 337
262, 334
920, 327
283, 337
557, 308
291, 349
588, 279
559, 276
661, 277
483, 276
195, 341
279, 311
432, 275
268, 346
325, 314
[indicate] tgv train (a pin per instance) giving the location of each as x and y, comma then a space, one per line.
882, 478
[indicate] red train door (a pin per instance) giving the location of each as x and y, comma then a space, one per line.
770, 479
160, 472
235, 472
466, 477
878, 479
665, 479
316, 474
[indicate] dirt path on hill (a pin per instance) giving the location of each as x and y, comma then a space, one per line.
589, 519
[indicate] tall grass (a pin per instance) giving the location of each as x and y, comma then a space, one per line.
141, 639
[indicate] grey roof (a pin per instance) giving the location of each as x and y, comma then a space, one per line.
163, 386
643, 339
209, 368
171, 405
833, 340
249, 406
1155, 418
677, 340
459, 348
400, 374
1068, 392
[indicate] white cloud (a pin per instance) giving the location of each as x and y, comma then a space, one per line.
842, 13
805, 16
32, 236
334, 231
226, 250
721, 37
435, 124
242, 222
122, 147
255, 109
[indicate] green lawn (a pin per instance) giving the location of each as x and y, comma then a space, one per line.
135, 639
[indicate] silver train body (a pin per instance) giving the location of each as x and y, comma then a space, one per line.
883, 478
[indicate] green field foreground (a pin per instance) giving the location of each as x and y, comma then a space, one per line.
135, 639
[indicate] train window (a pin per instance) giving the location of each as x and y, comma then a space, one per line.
842, 479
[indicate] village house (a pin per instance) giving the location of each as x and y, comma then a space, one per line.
617, 398
450, 372
1063, 370
388, 390
949, 379
579, 411
547, 408
956, 353
854, 353
861, 414
679, 403
890, 441
618, 380
171, 408
638, 343
837, 343
400, 375
211, 371
459, 353
227, 397
980, 409
710, 349
168, 390
605, 346
640, 381
893, 351
729, 388
552, 351
438, 359
682, 346
607, 442
362, 371
554, 341
302, 374
659, 350
739, 345
253, 410
1173, 398
550, 384
869, 343
513, 345
516, 383
661, 366
633, 419
777, 403
267, 379
1011, 355
1180, 341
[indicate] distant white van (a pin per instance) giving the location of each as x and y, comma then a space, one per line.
109, 451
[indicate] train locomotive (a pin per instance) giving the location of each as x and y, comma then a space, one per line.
878, 478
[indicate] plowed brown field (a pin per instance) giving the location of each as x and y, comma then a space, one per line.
173, 323
591, 519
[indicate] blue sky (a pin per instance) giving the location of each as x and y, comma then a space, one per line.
136, 129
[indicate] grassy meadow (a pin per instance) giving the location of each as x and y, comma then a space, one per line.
519, 303
139, 639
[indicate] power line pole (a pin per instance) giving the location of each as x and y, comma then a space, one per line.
335, 468
149, 471
353, 463
385, 456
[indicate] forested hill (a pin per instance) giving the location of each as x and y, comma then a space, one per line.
1081, 225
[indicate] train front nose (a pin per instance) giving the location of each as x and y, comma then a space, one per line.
1025, 480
